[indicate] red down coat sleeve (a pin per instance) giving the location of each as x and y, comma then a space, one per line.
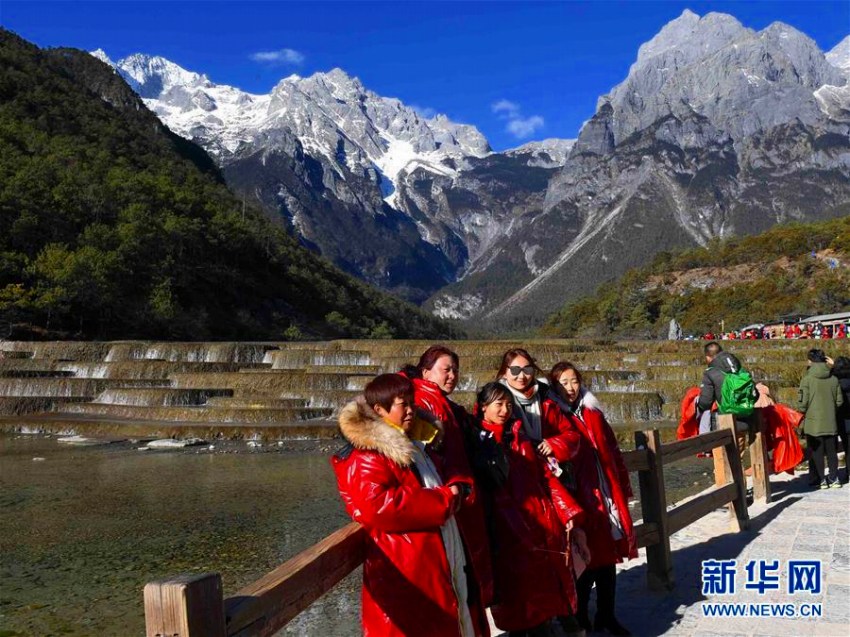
560, 432
378, 501
566, 506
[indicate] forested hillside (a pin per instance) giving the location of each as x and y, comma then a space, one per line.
794, 268
113, 227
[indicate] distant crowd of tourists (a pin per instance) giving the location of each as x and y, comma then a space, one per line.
519, 506
814, 330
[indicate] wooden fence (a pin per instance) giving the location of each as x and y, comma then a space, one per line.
194, 605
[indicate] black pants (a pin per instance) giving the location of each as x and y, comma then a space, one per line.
816, 446
843, 425
605, 578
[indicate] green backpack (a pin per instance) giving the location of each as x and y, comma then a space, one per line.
737, 396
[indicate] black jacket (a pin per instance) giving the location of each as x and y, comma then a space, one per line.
844, 410
712, 379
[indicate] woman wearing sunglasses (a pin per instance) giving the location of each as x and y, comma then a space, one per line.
543, 422
529, 512
434, 379
601, 485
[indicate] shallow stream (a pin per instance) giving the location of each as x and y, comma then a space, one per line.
82, 529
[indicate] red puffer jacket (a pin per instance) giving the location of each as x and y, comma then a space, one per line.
533, 580
599, 442
453, 465
407, 585
559, 430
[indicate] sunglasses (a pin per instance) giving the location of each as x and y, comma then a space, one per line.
515, 370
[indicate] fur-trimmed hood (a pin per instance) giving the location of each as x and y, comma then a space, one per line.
589, 400
366, 430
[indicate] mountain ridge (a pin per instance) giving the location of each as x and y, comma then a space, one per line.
496, 238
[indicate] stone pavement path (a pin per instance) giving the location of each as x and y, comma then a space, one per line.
799, 524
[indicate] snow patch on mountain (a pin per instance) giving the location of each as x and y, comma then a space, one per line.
457, 307
101, 55
835, 100
548, 153
332, 114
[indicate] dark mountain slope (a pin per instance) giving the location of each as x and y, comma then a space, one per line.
796, 268
112, 226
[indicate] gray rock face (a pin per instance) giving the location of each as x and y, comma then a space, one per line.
549, 153
741, 80
839, 56
717, 130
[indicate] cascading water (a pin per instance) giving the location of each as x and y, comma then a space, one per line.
273, 389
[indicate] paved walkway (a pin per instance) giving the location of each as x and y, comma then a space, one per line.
798, 524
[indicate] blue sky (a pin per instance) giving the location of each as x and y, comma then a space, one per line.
545, 63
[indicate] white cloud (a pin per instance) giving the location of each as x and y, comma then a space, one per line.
522, 128
283, 56
518, 126
506, 109
425, 112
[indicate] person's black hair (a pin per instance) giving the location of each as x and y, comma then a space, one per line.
841, 367
490, 392
816, 356
434, 353
411, 371
712, 349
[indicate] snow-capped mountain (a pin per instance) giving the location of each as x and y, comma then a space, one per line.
717, 129
331, 114
334, 160
548, 153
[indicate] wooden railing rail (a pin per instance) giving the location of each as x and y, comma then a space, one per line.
194, 605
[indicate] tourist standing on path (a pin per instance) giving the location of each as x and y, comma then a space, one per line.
531, 517
841, 370
601, 485
434, 379
818, 398
414, 574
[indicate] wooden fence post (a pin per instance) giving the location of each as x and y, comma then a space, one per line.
659, 561
760, 460
185, 606
728, 470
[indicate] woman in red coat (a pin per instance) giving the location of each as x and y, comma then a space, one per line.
530, 512
543, 422
602, 488
414, 574
434, 379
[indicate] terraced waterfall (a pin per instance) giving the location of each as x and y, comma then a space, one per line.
288, 390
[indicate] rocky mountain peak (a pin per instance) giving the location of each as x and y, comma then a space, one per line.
839, 56
741, 80
101, 55
152, 75
548, 153
691, 36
